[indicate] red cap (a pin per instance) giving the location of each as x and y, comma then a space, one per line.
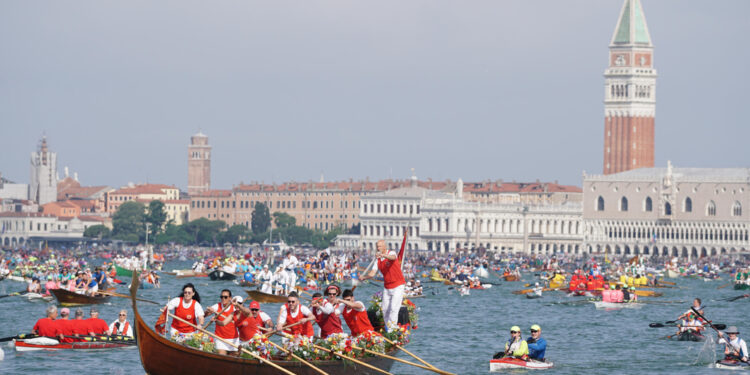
255, 305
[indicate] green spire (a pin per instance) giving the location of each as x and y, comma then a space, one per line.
631, 28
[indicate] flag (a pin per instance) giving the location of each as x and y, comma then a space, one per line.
403, 246
159, 327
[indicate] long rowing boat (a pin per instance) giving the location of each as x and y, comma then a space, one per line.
261, 297
22, 346
67, 298
161, 356
617, 305
498, 365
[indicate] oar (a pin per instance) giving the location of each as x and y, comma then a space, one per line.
409, 353
125, 296
659, 325
738, 297
259, 358
285, 327
13, 294
725, 285
403, 361
302, 290
20, 337
704, 318
297, 357
217, 315
666, 282
342, 355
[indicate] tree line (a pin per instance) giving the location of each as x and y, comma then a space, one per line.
136, 222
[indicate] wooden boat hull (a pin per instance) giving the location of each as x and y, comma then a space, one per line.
248, 284
740, 286
261, 297
160, 356
193, 274
67, 298
123, 271
26, 347
511, 277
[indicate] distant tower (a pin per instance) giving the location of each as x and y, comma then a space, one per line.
630, 94
43, 186
199, 164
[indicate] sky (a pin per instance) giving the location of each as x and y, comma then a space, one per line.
292, 90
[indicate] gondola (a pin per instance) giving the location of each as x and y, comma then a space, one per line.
221, 275
261, 297
67, 298
160, 356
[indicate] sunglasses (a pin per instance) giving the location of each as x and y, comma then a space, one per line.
123, 314
331, 294
515, 332
291, 301
224, 297
254, 309
534, 330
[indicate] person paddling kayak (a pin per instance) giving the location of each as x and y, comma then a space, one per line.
735, 348
515, 347
537, 345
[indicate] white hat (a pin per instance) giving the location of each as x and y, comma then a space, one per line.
237, 298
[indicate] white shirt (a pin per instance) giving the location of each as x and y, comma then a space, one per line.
174, 302
301, 308
736, 344
329, 308
114, 331
290, 263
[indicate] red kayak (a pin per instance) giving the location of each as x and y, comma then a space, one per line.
500, 364
22, 346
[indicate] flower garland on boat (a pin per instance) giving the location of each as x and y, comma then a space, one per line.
198, 341
375, 310
260, 346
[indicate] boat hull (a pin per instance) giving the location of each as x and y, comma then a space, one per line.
727, 364
616, 305
26, 347
689, 336
160, 356
501, 364
511, 277
261, 297
221, 275
123, 272
740, 286
67, 298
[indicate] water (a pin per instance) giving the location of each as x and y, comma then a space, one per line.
456, 334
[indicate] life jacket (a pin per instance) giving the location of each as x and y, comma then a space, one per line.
357, 321
123, 329
228, 331
391, 270
328, 323
298, 329
187, 314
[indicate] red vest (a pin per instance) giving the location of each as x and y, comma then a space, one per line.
187, 314
328, 323
357, 321
298, 329
391, 270
228, 331
248, 326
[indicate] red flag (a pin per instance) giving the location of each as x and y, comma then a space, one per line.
403, 246
159, 327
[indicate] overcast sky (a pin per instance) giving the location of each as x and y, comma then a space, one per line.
287, 90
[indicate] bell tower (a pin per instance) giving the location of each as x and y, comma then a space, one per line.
199, 164
630, 94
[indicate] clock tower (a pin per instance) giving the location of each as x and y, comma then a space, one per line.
630, 94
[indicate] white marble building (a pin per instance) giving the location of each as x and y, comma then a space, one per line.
684, 212
18, 228
43, 186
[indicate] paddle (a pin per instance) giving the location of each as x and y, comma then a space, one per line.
259, 358
21, 336
704, 318
732, 299
725, 285
13, 294
659, 325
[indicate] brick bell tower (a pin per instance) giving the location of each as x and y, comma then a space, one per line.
199, 164
630, 94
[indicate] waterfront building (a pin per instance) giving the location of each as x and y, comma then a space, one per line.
682, 212
31, 228
177, 209
43, 185
11, 190
199, 164
629, 94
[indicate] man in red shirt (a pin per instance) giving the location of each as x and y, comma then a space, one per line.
250, 321
47, 326
354, 313
389, 264
79, 327
66, 326
96, 325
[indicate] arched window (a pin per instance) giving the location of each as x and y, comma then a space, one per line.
688, 206
667, 209
624, 204
648, 205
600, 204
736, 209
711, 209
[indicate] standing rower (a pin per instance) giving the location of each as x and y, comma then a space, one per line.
389, 264
290, 277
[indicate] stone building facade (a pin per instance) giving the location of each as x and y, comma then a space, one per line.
683, 212
43, 185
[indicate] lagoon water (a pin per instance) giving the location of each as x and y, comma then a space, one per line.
456, 334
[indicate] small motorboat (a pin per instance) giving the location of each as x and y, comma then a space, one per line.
221, 275
500, 364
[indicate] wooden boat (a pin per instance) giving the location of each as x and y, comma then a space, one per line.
122, 271
257, 295
511, 277
161, 356
671, 274
36, 297
221, 275
22, 346
741, 286
248, 284
67, 298
191, 274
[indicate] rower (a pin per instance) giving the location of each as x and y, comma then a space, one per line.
96, 325
735, 348
515, 346
121, 325
389, 264
250, 321
606, 294
537, 289
265, 278
292, 312
47, 326
690, 324
78, 327
225, 327
327, 313
35, 286
625, 293
537, 345
633, 296
354, 313
187, 307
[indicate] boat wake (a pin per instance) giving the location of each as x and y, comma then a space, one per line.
707, 353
